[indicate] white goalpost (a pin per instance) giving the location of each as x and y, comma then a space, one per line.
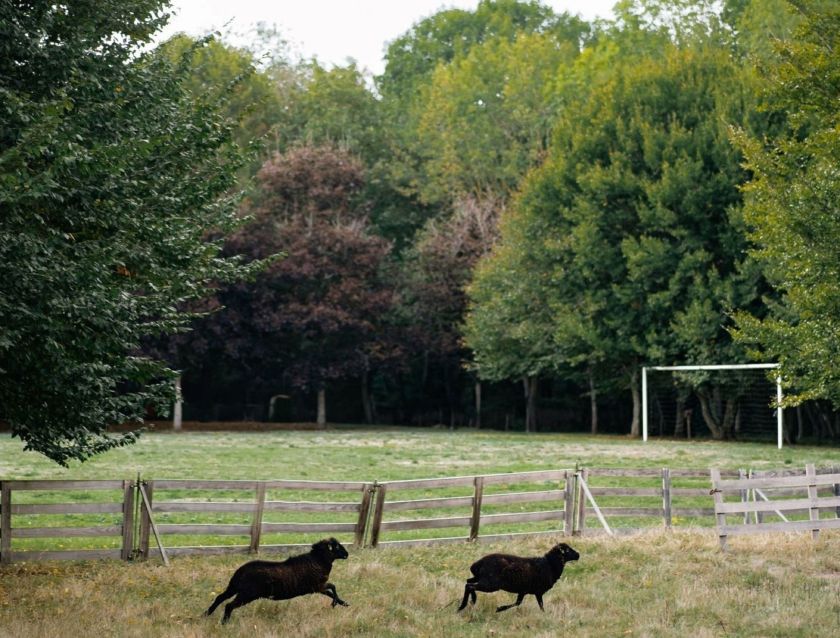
745, 366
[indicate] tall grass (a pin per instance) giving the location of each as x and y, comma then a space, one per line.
653, 584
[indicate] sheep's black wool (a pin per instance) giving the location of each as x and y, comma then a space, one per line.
295, 576
517, 575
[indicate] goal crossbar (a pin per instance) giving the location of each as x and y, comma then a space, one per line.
732, 366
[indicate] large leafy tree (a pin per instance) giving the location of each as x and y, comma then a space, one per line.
319, 315
111, 177
793, 208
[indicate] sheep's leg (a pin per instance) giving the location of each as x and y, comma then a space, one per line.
519, 598
330, 591
221, 597
469, 593
239, 601
539, 601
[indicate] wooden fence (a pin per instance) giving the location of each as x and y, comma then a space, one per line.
646, 498
121, 507
786, 501
471, 519
246, 499
255, 514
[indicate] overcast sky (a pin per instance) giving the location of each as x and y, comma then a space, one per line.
334, 30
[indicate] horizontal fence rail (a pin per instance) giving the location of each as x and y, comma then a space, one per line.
129, 519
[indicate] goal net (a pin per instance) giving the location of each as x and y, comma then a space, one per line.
712, 401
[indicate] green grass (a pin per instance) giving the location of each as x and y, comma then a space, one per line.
656, 584
356, 454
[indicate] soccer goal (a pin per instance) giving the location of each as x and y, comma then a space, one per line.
726, 400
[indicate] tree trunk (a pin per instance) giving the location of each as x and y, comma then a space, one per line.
719, 417
177, 411
679, 417
800, 423
530, 384
477, 404
593, 403
637, 404
322, 407
367, 403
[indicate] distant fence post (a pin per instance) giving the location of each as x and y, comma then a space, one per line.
364, 510
666, 496
129, 488
836, 470
719, 517
478, 495
744, 496
377, 514
145, 520
569, 505
256, 524
813, 510
5, 523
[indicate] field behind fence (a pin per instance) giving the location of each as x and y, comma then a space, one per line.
141, 518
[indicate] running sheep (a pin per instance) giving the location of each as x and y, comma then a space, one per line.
517, 575
295, 576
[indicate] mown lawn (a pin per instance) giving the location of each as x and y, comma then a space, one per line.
658, 583
352, 454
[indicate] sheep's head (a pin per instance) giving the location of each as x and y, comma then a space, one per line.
563, 552
331, 547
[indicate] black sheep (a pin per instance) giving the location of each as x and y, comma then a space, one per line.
295, 576
517, 575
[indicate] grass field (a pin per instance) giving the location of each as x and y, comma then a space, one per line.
658, 583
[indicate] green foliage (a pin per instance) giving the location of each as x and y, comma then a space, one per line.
112, 176
793, 208
487, 116
629, 237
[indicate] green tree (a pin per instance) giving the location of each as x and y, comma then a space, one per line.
111, 177
793, 208
634, 220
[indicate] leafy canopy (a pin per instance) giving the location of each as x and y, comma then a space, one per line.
111, 177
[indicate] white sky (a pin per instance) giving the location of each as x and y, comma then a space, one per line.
334, 30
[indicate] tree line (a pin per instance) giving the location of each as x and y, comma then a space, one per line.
499, 230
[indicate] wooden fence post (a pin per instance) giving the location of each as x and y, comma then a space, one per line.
256, 524
582, 477
719, 518
377, 514
744, 496
813, 510
666, 496
5, 523
364, 510
569, 505
144, 518
836, 493
478, 494
128, 520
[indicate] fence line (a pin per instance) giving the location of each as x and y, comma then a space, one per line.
563, 500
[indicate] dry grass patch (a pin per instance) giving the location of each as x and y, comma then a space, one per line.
653, 584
